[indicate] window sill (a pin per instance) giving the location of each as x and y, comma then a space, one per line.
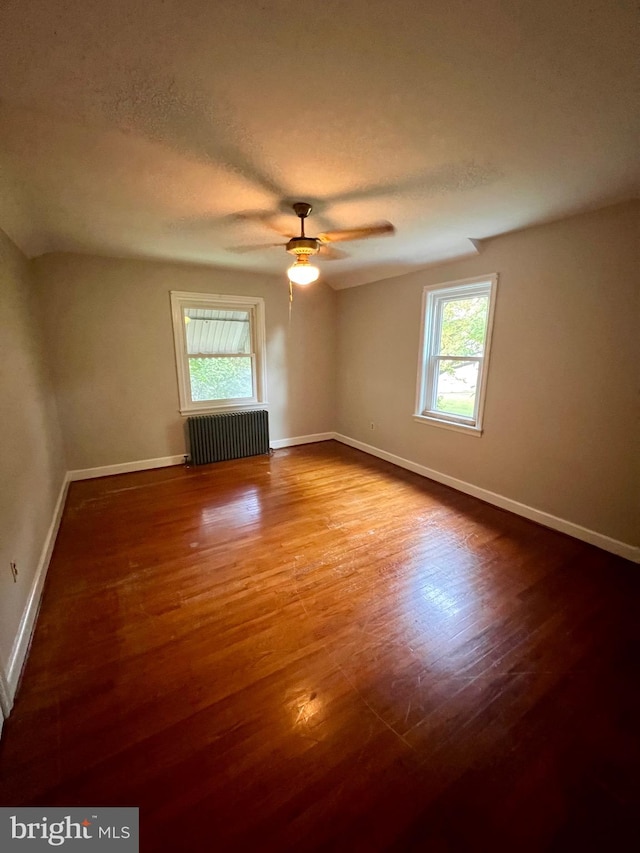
212, 410
437, 422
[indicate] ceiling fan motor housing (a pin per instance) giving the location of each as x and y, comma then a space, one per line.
303, 246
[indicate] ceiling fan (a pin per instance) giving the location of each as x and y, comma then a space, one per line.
304, 247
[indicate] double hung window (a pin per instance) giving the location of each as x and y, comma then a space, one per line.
454, 356
219, 345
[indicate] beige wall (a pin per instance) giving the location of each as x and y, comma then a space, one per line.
109, 335
32, 465
561, 416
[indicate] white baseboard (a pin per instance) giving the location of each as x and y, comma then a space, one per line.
125, 467
302, 439
167, 461
621, 549
5, 700
25, 630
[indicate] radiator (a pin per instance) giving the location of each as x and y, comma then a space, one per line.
213, 438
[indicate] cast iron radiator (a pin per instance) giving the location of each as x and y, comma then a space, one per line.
213, 438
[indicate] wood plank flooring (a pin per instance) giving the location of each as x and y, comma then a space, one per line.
319, 651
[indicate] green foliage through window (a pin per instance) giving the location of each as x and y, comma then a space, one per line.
220, 378
464, 322
456, 404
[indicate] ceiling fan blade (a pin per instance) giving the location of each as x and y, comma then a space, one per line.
328, 253
252, 248
377, 229
264, 217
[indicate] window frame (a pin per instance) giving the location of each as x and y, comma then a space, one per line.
434, 297
254, 305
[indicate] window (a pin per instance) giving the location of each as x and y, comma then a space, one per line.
219, 343
454, 356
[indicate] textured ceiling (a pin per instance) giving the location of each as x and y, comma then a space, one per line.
144, 127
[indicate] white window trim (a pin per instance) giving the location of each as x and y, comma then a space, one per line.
432, 296
255, 305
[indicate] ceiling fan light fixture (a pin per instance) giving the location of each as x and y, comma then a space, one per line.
302, 272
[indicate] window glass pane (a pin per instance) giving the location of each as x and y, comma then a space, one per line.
456, 383
211, 331
464, 324
220, 378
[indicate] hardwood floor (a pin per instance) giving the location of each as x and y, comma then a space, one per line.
319, 651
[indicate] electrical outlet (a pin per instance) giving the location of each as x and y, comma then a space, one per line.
14, 571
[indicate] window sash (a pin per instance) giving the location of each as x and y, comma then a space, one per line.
226, 400
219, 335
440, 303
431, 409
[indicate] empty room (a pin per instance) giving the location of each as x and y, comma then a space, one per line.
320, 434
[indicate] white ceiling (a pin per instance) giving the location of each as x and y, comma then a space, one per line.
143, 127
